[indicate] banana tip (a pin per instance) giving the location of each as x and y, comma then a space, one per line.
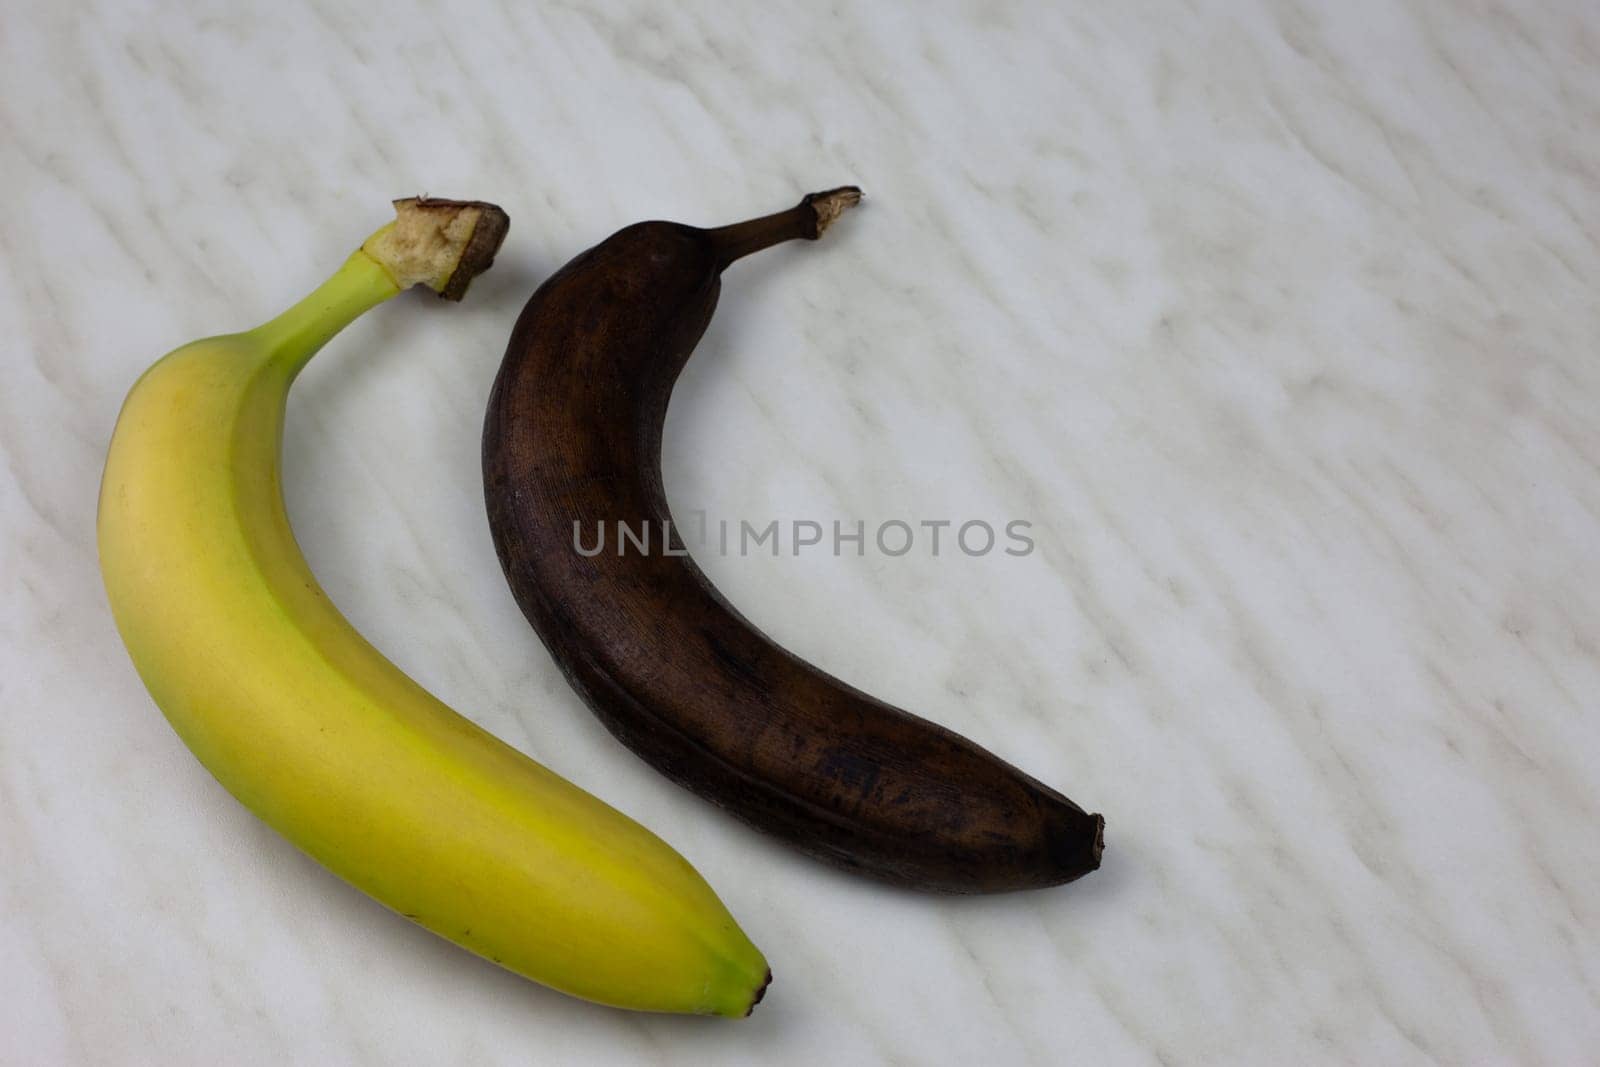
761, 991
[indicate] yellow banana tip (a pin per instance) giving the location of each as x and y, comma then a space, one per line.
761, 991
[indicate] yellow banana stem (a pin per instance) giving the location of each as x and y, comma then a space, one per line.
295, 336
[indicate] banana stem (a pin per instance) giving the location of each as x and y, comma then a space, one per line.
442, 244
296, 335
807, 220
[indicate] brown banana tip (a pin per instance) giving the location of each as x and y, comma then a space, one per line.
1099, 845
830, 204
488, 234
761, 991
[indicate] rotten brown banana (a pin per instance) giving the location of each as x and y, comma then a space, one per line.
572, 440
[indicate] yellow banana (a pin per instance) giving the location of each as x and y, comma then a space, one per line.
316, 732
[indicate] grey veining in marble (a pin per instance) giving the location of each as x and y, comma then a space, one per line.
1279, 320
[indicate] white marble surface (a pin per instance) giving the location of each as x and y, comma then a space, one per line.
1280, 320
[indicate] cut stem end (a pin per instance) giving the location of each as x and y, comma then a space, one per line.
442, 244
829, 205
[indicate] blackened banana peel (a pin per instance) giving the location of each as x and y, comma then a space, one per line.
573, 436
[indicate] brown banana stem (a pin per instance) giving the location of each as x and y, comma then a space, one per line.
807, 220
